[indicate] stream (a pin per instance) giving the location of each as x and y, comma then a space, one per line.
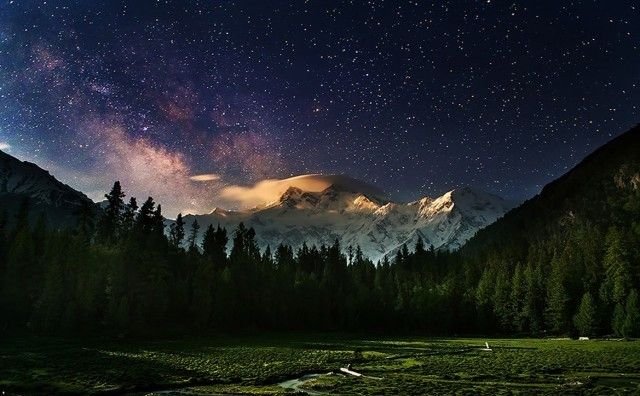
296, 384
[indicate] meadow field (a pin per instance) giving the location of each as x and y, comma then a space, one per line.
311, 364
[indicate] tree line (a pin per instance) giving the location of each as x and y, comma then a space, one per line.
121, 272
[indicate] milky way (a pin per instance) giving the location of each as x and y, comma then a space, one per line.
183, 99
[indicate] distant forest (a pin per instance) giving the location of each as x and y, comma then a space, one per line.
119, 273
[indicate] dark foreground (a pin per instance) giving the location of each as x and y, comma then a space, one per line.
311, 364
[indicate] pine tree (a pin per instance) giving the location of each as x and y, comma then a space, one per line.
267, 260
208, 240
145, 222
534, 299
86, 226
617, 322
501, 300
405, 255
157, 229
129, 215
176, 233
398, 260
253, 251
419, 248
483, 300
585, 319
349, 255
618, 280
518, 298
631, 325
111, 220
557, 312
193, 235
221, 240
245, 247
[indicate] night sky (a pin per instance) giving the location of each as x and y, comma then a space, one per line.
181, 99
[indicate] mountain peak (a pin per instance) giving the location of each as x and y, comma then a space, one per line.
317, 209
218, 211
333, 198
295, 197
21, 180
291, 192
333, 183
311, 187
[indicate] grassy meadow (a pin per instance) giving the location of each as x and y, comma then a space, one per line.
272, 365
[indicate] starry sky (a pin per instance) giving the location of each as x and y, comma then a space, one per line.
182, 99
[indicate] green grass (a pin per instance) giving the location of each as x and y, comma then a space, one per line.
256, 365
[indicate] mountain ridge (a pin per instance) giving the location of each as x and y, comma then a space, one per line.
379, 226
23, 181
586, 191
316, 209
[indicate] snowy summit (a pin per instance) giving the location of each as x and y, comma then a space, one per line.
318, 209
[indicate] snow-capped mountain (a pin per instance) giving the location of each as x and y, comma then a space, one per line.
359, 215
20, 180
316, 209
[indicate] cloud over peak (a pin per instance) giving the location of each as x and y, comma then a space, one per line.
267, 191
